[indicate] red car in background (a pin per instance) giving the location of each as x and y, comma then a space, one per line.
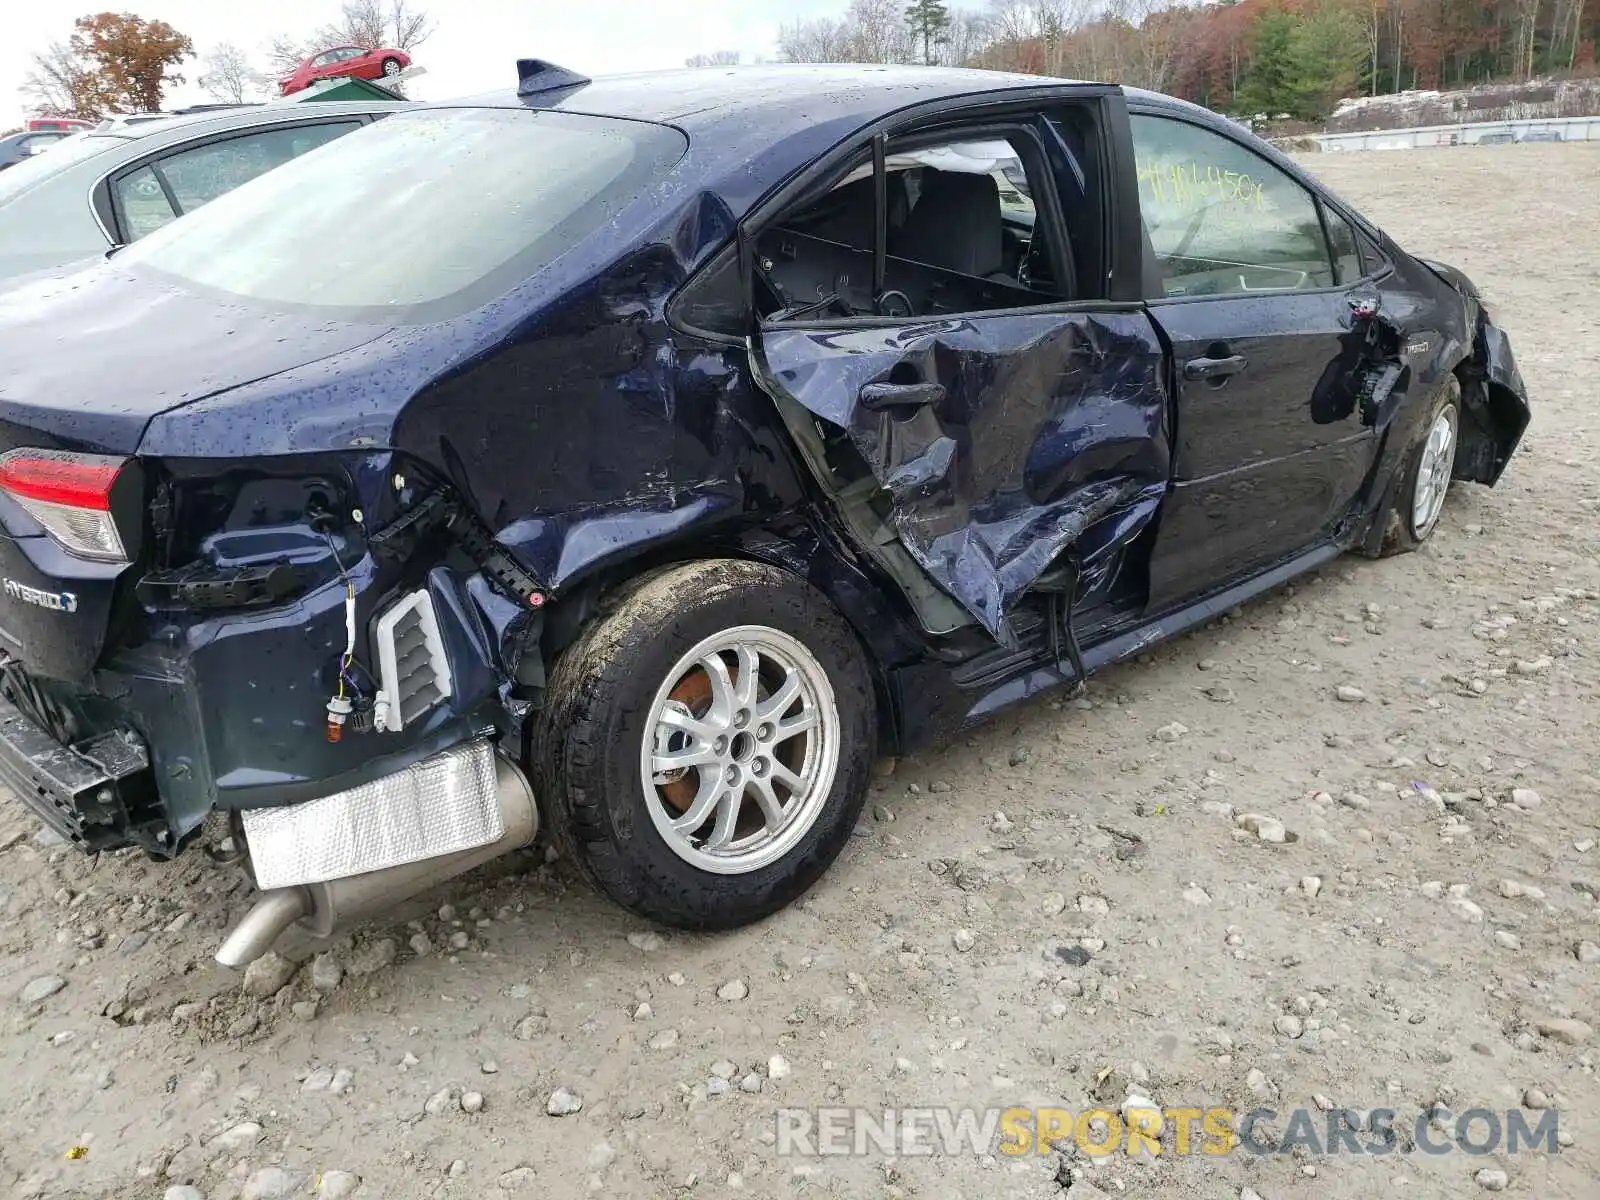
57, 125
341, 62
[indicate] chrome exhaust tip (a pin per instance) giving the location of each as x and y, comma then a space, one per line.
267, 921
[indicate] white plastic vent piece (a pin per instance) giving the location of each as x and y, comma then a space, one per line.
413, 669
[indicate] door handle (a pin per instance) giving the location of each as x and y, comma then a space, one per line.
1214, 368
886, 397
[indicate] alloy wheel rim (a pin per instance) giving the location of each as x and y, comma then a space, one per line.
391, 67
740, 750
1433, 473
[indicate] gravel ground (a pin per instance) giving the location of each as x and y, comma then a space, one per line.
1063, 910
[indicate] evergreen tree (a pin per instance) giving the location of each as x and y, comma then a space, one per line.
1325, 61
929, 22
1268, 84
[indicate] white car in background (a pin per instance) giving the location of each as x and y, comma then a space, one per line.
96, 190
123, 120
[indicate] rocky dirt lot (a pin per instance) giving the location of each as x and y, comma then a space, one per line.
1065, 909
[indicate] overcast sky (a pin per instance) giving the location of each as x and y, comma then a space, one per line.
474, 46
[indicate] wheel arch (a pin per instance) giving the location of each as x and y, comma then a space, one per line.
1390, 471
872, 610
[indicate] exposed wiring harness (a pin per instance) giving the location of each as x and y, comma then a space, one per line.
349, 705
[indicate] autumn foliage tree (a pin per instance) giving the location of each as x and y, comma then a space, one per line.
112, 62
1289, 56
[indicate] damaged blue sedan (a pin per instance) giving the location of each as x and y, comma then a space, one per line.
641, 457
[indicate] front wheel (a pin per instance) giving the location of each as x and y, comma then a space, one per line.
708, 744
1419, 500
391, 67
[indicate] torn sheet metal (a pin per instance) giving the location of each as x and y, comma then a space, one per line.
998, 441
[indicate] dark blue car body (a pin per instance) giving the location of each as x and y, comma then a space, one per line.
523, 457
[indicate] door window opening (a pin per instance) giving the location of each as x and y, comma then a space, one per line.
963, 234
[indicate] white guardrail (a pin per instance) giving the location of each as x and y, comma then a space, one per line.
1475, 133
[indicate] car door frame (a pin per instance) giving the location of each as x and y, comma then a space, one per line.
317, 68
1120, 236
1372, 279
347, 62
103, 194
1123, 248
369, 63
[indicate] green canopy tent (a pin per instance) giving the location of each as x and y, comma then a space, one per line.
343, 89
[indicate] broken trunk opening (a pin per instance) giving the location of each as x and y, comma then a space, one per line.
993, 444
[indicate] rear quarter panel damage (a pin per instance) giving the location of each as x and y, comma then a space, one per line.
585, 433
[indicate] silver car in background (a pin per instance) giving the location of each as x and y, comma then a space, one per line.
103, 189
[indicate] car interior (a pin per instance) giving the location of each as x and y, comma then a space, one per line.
960, 238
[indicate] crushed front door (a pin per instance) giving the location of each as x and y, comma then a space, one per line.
998, 441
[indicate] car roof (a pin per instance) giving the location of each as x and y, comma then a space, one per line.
244, 118
749, 127
701, 97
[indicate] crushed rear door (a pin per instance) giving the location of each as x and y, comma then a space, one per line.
997, 441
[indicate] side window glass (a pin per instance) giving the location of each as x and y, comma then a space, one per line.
713, 302
963, 236
1342, 240
1372, 258
144, 205
1223, 220
199, 176
1078, 186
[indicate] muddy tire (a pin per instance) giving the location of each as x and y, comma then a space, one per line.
708, 744
1425, 477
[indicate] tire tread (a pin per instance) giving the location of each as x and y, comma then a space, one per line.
597, 672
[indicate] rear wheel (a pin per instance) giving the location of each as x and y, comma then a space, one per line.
1419, 501
708, 744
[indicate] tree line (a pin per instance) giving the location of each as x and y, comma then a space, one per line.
1293, 57
1297, 57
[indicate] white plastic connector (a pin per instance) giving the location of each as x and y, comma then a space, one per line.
393, 698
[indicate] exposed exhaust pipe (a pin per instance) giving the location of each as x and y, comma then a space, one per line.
263, 925
321, 908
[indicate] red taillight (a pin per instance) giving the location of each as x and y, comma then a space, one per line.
60, 477
70, 496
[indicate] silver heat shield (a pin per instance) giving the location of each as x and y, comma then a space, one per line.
438, 806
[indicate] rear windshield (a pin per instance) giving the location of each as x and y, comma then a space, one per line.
65, 153
417, 216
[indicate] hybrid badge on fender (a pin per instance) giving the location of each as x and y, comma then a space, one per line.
66, 602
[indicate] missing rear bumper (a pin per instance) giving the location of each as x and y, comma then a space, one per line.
438, 806
355, 855
88, 793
